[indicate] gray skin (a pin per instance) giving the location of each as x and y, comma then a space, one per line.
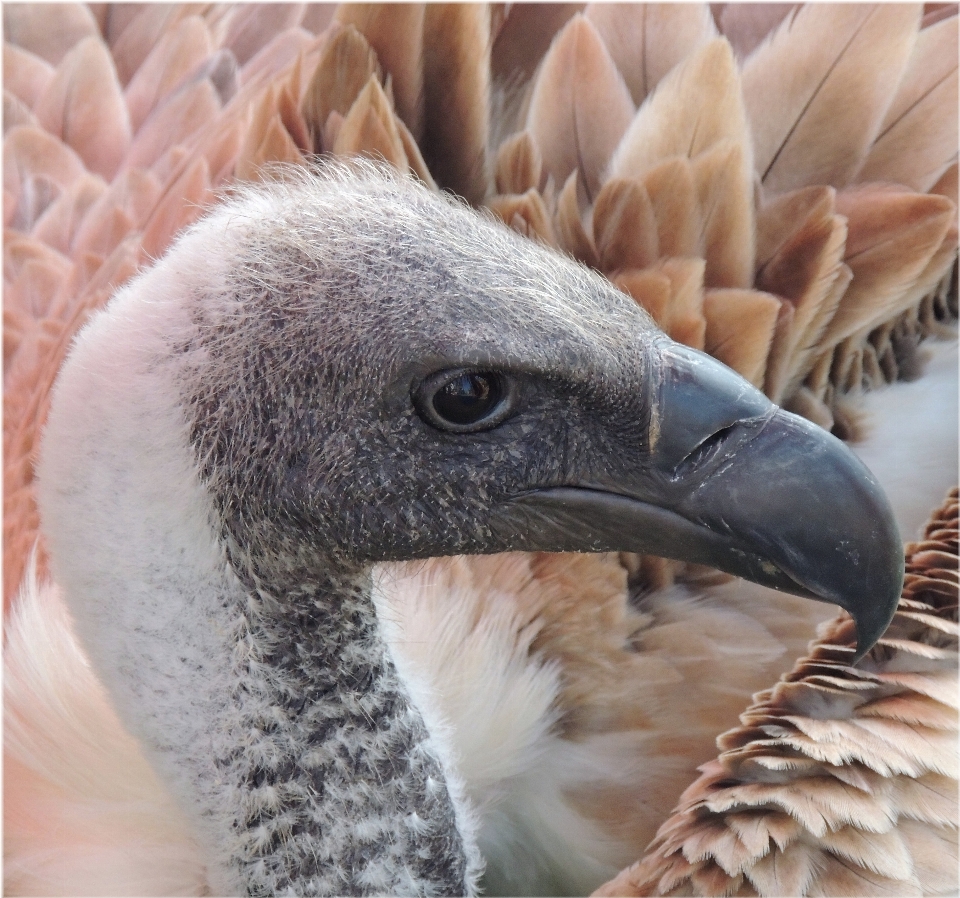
300, 366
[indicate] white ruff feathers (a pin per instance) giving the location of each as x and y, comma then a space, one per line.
84, 813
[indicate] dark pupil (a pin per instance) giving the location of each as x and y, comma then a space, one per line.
467, 398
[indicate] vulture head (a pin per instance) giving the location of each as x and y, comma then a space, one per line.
343, 369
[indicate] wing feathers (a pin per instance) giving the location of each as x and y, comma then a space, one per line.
918, 136
579, 106
84, 106
816, 92
395, 32
697, 105
456, 87
646, 40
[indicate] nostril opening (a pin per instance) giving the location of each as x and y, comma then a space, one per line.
706, 449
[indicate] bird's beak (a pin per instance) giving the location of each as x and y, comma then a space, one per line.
729, 480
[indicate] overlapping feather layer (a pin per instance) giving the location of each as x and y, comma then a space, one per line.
840, 780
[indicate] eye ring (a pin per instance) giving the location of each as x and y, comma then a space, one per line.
465, 400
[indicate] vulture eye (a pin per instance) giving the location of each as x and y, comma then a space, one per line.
464, 401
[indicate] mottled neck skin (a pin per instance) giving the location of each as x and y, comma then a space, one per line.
339, 789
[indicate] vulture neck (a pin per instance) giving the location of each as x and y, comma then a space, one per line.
340, 785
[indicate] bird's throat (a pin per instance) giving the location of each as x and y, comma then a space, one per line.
339, 789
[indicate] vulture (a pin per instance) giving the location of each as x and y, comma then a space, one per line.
358, 541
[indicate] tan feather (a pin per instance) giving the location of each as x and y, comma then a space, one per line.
141, 34
36, 168
817, 91
529, 208
181, 203
624, 226
415, 162
345, 68
123, 208
266, 140
947, 185
179, 52
84, 106
852, 829
395, 32
892, 236
59, 223
647, 40
579, 106
918, 135
726, 212
651, 289
279, 52
370, 128
686, 322
16, 112
173, 122
573, 236
740, 327
673, 196
804, 270
672, 292
33, 275
519, 165
456, 67
696, 106
778, 216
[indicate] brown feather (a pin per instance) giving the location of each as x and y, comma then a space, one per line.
579, 106
804, 270
918, 136
673, 196
456, 72
346, 65
696, 106
529, 208
724, 188
624, 226
369, 128
817, 91
740, 327
519, 165
646, 40
892, 236
574, 237
395, 32
525, 36
851, 829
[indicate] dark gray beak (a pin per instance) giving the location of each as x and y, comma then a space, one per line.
729, 480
